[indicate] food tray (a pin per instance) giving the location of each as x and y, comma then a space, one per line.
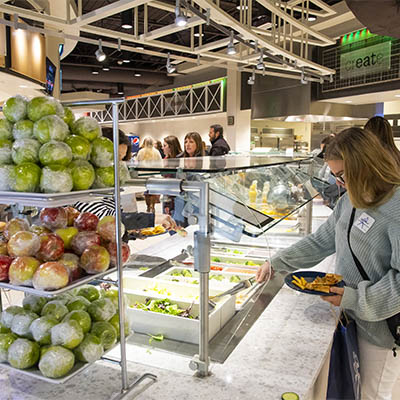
48, 293
36, 374
53, 199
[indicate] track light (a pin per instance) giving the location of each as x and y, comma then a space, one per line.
260, 64
126, 19
180, 18
170, 68
100, 55
252, 78
120, 88
231, 47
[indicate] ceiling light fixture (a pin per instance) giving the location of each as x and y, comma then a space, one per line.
120, 62
100, 55
242, 7
140, 47
126, 61
230, 50
260, 64
180, 18
120, 88
95, 72
106, 68
170, 68
137, 74
348, 101
126, 19
311, 18
252, 78
197, 34
397, 95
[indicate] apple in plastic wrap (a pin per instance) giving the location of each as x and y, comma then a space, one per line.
106, 228
5, 262
68, 334
102, 154
55, 152
56, 362
5, 129
8, 315
50, 127
80, 147
5, 177
72, 214
5, 152
83, 240
50, 276
25, 177
90, 350
23, 354
23, 129
40, 329
89, 292
51, 247
71, 262
112, 249
82, 173
54, 218
95, 259
102, 309
55, 309
86, 222
15, 108
25, 151
56, 179
69, 117
13, 226
22, 270
39, 229
24, 243
105, 332
78, 303
80, 316
6, 340
87, 127
114, 321
22, 322
34, 303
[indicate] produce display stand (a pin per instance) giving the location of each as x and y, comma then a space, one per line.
62, 199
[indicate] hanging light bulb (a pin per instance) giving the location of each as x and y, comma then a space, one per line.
100, 55
170, 68
252, 78
260, 64
180, 19
230, 50
126, 19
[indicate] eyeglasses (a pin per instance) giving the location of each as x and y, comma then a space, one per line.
339, 178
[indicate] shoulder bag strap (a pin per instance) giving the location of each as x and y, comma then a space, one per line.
356, 260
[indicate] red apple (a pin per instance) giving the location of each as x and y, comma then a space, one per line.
50, 276
54, 218
3, 247
112, 249
22, 269
72, 214
83, 240
5, 262
95, 259
13, 226
39, 229
106, 228
23, 243
71, 262
51, 247
86, 222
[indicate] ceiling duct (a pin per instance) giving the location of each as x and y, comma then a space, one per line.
379, 16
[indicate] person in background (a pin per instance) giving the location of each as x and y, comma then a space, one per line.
192, 146
149, 153
371, 176
219, 145
159, 147
380, 127
171, 147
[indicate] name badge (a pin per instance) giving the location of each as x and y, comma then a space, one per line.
364, 222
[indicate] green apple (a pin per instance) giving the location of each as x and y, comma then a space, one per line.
56, 179
82, 317
90, 350
25, 150
41, 327
23, 353
56, 362
105, 332
5, 129
55, 152
89, 292
102, 154
25, 177
50, 127
80, 147
82, 173
69, 117
55, 309
15, 108
67, 234
42, 106
6, 340
5, 152
68, 334
87, 127
23, 129
78, 303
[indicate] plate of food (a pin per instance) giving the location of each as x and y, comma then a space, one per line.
313, 282
155, 231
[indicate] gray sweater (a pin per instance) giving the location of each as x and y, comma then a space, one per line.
376, 245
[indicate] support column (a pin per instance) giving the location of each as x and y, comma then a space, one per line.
238, 134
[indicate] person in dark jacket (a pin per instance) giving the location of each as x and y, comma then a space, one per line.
219, 146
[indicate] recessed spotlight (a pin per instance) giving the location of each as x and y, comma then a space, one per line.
137, 74
126, 19
197, 34
120, 88
105, 69
242, 7
126, 61
95, 72
311, 18
140, 47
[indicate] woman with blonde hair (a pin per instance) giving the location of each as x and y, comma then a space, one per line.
364, 232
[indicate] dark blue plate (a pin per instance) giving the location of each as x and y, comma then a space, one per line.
309, 276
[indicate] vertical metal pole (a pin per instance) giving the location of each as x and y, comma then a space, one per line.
309, 217
1, 300
118, 231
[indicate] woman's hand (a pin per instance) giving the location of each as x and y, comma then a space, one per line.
334, 300
264, 272
166, 221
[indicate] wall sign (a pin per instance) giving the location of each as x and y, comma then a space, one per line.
368, 60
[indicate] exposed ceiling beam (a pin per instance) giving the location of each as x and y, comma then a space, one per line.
318, 3
169, 29
212, 46
39, 5
295, 39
